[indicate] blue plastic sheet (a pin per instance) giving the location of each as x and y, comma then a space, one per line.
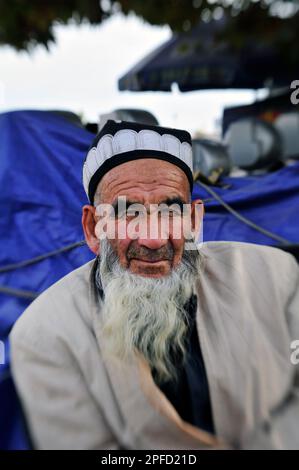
270, 201
41, 157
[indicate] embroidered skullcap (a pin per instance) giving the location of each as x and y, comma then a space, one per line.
120, 142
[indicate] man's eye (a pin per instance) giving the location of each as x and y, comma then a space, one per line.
172, 211
132, 213
176, 211
121, 214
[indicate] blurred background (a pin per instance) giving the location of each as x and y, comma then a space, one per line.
71, 56
227, 71
35, 77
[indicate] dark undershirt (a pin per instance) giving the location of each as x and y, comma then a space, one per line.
190, 393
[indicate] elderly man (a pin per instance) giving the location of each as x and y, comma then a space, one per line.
160, 342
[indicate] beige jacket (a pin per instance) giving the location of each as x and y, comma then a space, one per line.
248, 314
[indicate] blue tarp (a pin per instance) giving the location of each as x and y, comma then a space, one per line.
41, 157
270, 201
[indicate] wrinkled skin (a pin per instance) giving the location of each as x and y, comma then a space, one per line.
145, 181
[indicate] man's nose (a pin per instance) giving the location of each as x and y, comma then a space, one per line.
154, 235
152, 243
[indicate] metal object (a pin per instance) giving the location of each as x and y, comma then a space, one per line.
210, 156
253, 144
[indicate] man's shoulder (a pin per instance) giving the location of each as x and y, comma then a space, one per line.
226, 250
248, 260
57, 305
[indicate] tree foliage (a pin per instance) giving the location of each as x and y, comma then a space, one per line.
27, 23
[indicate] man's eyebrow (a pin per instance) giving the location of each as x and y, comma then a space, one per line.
126, 206
168, 201
174, 200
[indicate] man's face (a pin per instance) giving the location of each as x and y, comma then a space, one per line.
153, 276
150, 183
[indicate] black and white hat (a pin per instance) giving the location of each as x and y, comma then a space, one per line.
120, 142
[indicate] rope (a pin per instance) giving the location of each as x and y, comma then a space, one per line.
240, 217
10, 267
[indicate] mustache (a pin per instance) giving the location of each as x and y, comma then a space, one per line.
166, 252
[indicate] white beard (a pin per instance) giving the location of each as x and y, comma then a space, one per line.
146, 314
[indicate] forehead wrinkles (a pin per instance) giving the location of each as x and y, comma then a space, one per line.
161, 180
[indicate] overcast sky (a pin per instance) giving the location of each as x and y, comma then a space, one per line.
81, 70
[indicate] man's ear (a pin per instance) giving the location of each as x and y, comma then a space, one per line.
89, 224
197, 215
